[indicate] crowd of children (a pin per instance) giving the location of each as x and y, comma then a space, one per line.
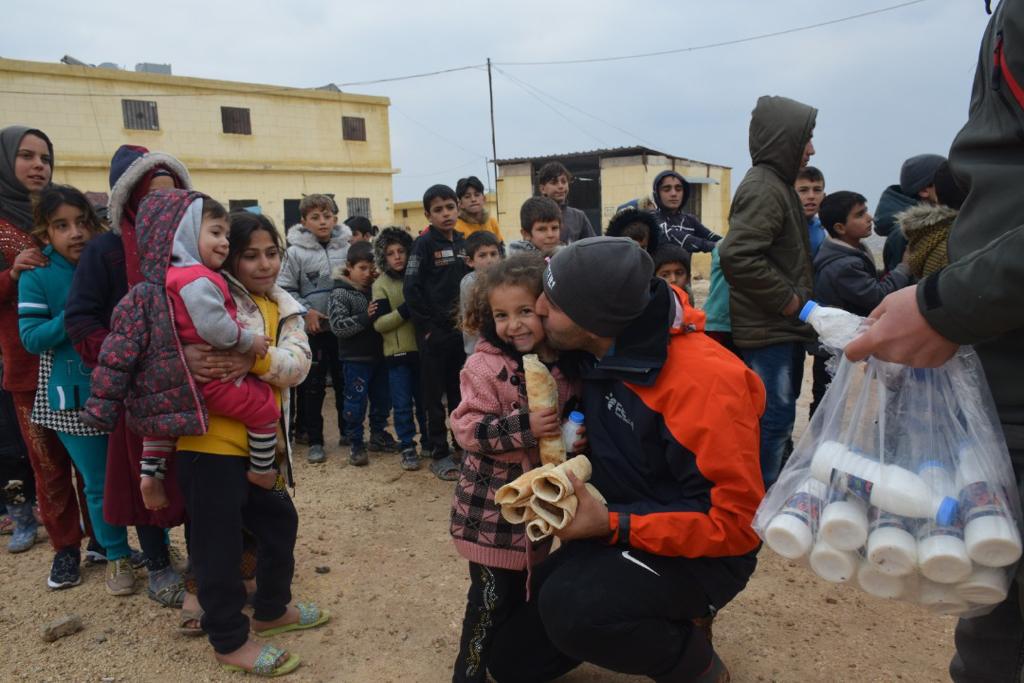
113, 381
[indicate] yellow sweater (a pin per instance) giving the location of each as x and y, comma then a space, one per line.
468, 229
226, 436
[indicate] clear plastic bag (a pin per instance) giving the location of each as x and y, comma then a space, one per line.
902, 487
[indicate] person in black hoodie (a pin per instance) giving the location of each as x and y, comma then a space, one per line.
670, 192
432, 278
361, 351
845, 275
916, 186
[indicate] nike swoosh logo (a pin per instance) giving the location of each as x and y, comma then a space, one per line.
625, 554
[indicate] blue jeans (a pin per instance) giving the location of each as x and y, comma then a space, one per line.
404, 381
781, 368
365, 383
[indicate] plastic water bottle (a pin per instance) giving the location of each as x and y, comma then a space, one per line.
876, 582
791, 531
832, 564
844, 522
941, 552
571, 430
984, 586
835, 327
891, 547
889, 487
990, 534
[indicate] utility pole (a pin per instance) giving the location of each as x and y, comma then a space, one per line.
494, 143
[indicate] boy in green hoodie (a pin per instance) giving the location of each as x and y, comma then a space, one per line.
392, 320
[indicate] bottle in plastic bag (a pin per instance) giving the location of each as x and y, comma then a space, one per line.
791, 531
832, 564
991, 537
844, 522
985, 586
875, 582
941, 598
891, 544
941, 552
889, 487
835, 327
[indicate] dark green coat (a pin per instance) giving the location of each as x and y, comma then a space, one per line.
978, 299
766, 255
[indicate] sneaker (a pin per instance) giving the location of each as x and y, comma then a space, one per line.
316, 454
359, 457
383, 442
410, 460
64, 571
120, 577
97, 554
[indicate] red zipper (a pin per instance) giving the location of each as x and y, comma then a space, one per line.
1003, 68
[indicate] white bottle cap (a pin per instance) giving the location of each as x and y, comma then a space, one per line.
985, 586
835, 566
789, 536
879, 584
943, 558
844, 524
892, 550
940, 598
992, 541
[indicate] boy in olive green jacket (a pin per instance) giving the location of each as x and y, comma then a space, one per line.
392, 321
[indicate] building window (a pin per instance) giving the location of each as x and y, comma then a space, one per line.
358, 206
405, 213
235, 120
353, 128
242, 204
693, 203
140, 115
291, 213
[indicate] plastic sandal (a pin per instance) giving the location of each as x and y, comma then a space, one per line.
445, 469
169, 596
266, 663
185, 617
310, 616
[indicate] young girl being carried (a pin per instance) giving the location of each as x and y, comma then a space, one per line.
499, 432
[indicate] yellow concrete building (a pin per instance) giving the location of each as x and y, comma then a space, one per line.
409, 215
607, 178
244, 144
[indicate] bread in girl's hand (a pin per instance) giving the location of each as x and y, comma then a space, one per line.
542, 392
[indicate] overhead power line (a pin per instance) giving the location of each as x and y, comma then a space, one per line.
724, 43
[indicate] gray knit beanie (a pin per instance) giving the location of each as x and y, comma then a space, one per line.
602, 283
918, 173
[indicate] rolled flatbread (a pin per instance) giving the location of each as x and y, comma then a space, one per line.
542, 392
517, 514
537, 529
558, 514
553, 484
517, 493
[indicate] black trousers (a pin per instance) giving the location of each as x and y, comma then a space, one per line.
821, 381
324, 347
14, 462
623, 610
442, 360
153, 540
494, 595
220, 503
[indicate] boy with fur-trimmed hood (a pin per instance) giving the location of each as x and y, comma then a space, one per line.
392, 320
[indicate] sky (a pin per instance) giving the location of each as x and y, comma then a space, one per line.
887, 86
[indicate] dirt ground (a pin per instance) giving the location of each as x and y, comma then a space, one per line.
396, 590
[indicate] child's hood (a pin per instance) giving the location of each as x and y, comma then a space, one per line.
299, 236
385, 239
124, 185
922, 218
162, 215
185, 250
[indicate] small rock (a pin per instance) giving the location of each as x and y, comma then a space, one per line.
99, 640
324, 569
65, 626
832, 601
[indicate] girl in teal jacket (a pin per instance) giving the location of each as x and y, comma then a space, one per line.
65, 222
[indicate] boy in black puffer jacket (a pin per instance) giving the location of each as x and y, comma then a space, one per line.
362, 354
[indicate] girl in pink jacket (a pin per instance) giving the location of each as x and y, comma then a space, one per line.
499, 433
